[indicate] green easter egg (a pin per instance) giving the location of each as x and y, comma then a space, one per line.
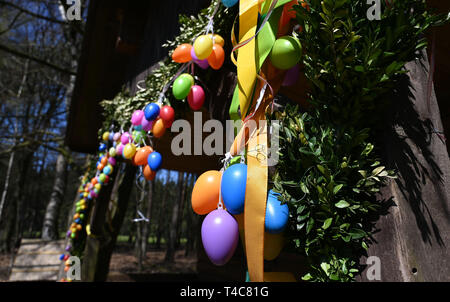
286, 52
182, 86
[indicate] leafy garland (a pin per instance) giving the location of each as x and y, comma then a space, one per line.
328, 171
120, 109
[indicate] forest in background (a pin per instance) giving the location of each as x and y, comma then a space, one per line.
39, 175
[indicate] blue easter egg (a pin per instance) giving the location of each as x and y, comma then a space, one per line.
111, 136
61, 257
229, 3
107, 170
78, 220
232, 187
154, 160
276, 214
151, 111
138, 128
102, 147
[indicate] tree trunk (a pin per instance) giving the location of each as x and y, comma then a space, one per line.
182, 206
192, 225
161, 213
5, 188
170, 253
139, 227
50, 226
100, 244
148, 214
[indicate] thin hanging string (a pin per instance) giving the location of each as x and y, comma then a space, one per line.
140, 199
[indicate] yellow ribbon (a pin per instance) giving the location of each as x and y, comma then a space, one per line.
246, 67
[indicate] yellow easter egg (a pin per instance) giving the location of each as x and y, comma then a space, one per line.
105, 136
129, 150
217, 39
203, 46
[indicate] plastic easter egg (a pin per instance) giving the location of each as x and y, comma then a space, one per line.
182, 54
107, 170
138, 137
203, 46
142, 154
68, 248
128, 151
119, 149
139, 127
100, 167
205, 194
234, 181
229, 3
105, 136
217, 39
61, 257
203, 64
167, 114
182, 86
102, 147
104, 160
125, 138
276, 214
146, 125
151, 111
220, 235
291, 76
111, 136
112, 152
149, 174
117, 136
112, 161
98, 186
94, 180
286, 52
159, 128
273, 244
217, 57
154, 161
188, 76
81, 216
196, 97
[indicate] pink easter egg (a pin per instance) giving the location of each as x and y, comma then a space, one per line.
136, 118
116, 136
119, 149
125, 138
196, 97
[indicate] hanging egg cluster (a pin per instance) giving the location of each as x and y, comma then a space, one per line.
206, 51
220, 233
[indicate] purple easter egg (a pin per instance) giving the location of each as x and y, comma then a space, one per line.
220, 235
68, 233
68, 247
202, 63
112, 161
146, 125
125, 138
291, 76
119, 149
136, 118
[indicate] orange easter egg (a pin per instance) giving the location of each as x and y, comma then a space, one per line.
100, 167
182, 54
149, 174
216, 57
140, 158
159, 128
104, 161
205, 194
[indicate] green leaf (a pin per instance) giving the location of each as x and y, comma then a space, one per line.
341, 204
337, 189
307, 277
325, 267
327, 223
309, 225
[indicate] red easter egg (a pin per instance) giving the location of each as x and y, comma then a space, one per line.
167, 114
196, 97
